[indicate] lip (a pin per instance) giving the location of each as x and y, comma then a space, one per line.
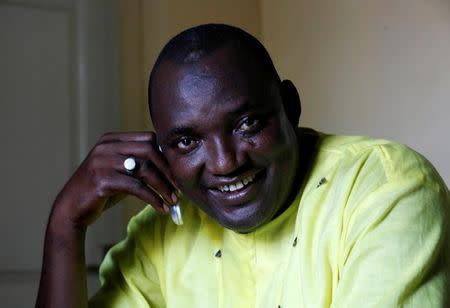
241, 196
232, 180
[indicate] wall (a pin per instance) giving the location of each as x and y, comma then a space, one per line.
379, 68
58, 94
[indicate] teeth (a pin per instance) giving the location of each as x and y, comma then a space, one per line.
237, 185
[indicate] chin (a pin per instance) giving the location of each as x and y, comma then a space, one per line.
244, 219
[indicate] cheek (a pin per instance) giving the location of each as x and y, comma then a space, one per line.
186, 171
271, 143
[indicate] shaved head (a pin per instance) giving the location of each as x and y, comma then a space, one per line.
194, 44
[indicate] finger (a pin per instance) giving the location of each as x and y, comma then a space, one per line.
123, 184
128, 136
145, 171
156, 180
143, 151
151, 153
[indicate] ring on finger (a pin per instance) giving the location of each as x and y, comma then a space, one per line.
131, 166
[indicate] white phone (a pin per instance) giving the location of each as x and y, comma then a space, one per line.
174, 209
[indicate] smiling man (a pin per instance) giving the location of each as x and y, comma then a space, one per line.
274, 215
221, 121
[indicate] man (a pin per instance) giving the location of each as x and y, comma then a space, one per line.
274, 215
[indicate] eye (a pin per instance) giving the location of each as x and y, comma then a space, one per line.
186, 143
248, 124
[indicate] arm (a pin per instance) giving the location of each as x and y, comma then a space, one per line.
395, 239
98, 183
63, 275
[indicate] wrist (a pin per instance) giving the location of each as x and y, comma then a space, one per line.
61, 223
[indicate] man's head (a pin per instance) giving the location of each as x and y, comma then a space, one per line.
227, 124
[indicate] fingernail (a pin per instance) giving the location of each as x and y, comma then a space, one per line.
166, 208
174, 198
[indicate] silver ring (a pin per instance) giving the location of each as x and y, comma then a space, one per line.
130, 165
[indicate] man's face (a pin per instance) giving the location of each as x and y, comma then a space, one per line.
225, 134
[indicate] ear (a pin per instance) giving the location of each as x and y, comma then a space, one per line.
291, 102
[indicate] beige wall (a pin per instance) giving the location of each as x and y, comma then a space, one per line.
379, 68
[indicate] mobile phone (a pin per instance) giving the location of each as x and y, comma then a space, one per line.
174, 209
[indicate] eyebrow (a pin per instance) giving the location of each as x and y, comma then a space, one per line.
191, 131
179, 131
242, 108
248, 106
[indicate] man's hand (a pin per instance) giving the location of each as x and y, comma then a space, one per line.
102, 180
98, 183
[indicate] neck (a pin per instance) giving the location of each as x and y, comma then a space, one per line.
306, 151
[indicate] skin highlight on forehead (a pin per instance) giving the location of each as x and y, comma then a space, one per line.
197, 85
225, 67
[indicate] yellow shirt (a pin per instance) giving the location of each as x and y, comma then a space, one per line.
367, 229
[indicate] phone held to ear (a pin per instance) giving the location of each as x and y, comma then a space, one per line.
175, 210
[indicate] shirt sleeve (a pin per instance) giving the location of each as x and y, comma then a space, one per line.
395, 243
128, 274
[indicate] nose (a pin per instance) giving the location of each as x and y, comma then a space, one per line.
223, 156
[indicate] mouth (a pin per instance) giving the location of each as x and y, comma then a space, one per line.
240, 191
238, 185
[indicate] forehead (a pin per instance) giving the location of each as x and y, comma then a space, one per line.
221, 80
